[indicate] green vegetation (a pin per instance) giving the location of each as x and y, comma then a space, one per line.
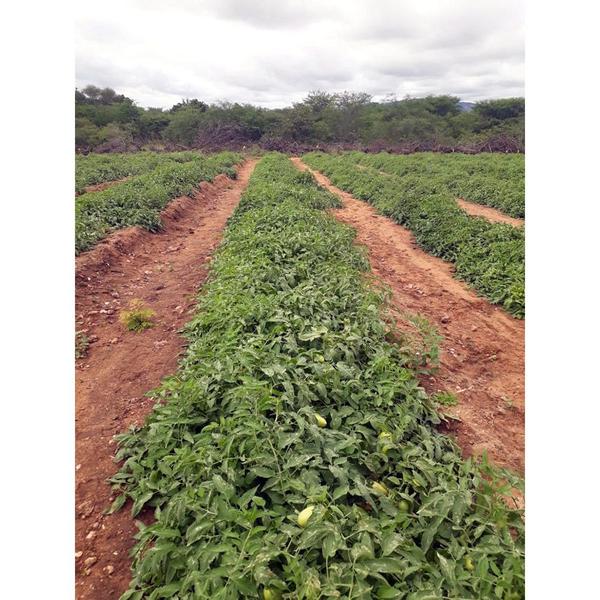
111, 122
138, 317
98, 168
488, 256
82, 344
497, 180
445, 398
254, 495
139, 200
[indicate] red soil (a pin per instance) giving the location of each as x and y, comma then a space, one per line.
164, 270
489, 213
482, 351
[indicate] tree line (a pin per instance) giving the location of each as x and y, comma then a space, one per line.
107, 121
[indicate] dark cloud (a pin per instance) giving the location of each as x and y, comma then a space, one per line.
272, 52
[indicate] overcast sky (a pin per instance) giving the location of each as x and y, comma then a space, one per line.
272, 52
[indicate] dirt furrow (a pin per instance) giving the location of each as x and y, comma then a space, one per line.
98, 187
482, 351
164, 270
489, 213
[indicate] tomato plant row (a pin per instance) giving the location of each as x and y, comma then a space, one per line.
294, 455
139, 200
488, 256
496, 180
99, 168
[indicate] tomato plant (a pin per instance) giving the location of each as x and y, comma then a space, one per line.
252, 497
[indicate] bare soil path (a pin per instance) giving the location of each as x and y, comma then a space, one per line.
164, 270
482, 351
489, 213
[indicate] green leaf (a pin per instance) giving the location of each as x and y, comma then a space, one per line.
340, 491
332, 543
430, 533
117, 504
245, 586
448, 569
385, 591
196, 531
383, 565
264, 472
140, 501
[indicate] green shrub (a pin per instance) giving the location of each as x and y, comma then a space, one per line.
138, 317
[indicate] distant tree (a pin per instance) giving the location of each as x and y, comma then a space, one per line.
80, 97
112, 120
194, 103
152, 123
87, 135
92, 92
318, 101
443, 105
506, 108
347, 118
352, 100
124, 112
297, 124
184, 126
107, 96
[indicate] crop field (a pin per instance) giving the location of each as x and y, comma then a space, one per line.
294, 452
497, 180
489, 256
139, 200
92, 169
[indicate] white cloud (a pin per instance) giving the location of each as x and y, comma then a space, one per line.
272, 52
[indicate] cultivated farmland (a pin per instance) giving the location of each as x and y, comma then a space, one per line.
304, 444
489, 256
139, 200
